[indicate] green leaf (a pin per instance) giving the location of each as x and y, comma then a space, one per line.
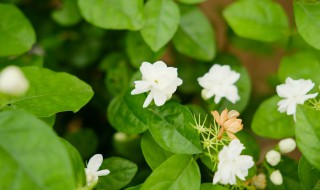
127, 146
49, 120
210, 186
269, 122
118, 77
170, 126
262, 20
178, 172
243, 84
134, 188
307, 18
31, 154
68, 14
51, 92
138, 51
302, 65
113, 14
194, 37
191, 1
122, 172
126, 114
162, 20
152, 152
309, 175
85, 140
17, 35
76, 163
306, 135
252, 147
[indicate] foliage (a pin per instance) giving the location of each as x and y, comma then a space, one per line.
84, 56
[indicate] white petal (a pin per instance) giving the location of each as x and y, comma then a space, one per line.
232, 94
217, 99
216, 178
283, 105
95, 162
148, 100
159, 98
291, 108
103, 172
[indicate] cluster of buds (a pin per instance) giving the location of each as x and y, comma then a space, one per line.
273, 157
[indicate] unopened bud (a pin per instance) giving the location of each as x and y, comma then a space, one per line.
287, 145
259, 181
273, 157
13, 82
276, 177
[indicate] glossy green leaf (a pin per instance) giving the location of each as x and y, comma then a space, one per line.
243, 85
126, 114
309, 175
77, 164
31, 154
51, 92
252, 147
68, 14
307, 18
178, 172
49, 120
170, 127
210, 186
302, 65
122, 172
162, 20
134, 188
152, 152
113, 14
192, 1
269, 122
262, 20
118, 77
138, 51
17, 34
195, 37
308, 142
85, 140
128, 146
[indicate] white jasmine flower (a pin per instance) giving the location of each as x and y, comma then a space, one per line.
273, 157
276, 177
12, 81
219, 82
294, 92
160, 80
287, 145
92, 173
232, 164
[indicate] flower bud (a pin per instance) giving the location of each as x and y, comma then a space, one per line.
287, 145
276, 177
13, 81
273, 157
259, 181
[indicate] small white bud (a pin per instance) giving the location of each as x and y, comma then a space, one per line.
273, 157
13, 82
276, 177
287, 145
